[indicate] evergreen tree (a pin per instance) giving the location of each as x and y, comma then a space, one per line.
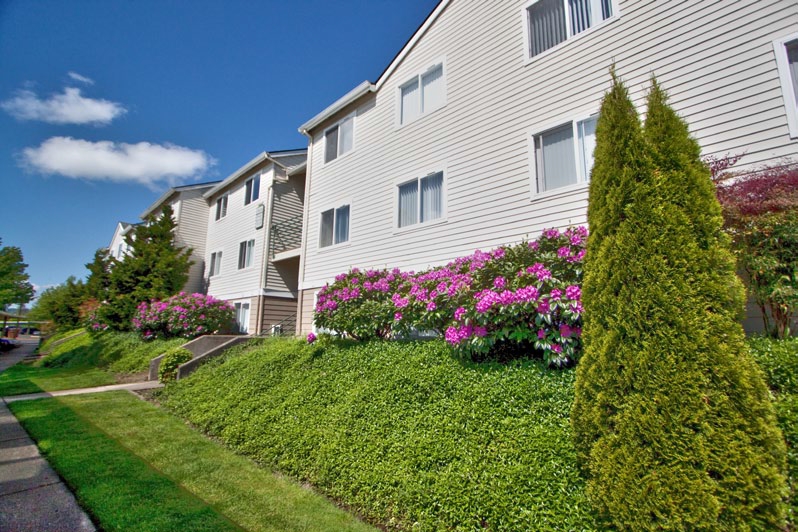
15, 287
99, 279
60, 304
672, 419
154, 268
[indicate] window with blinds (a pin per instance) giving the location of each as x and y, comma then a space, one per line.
420, 200
564, 154
339, 139
216, 264
252, 189
334, 227
422, 94
221, 207
245, 252
550, 22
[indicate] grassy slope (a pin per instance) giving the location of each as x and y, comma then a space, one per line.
402, 432
83, 361
136, 467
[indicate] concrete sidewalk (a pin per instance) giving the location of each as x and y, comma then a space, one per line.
131, 386
32, 496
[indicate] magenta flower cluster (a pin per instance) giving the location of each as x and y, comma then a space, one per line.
182, 315
527, 294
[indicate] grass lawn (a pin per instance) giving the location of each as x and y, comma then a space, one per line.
27, 378
135, 467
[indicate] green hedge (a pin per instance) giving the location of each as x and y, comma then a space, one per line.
401, 432
172, 359
118, 352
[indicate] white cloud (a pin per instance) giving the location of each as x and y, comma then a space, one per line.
78, 77
67, 108
145, 163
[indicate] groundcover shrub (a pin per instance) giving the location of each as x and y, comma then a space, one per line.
117, 352
511, 302
172, 359
401, 432
182, 315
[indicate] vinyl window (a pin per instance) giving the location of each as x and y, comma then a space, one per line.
422, 94
221, 207
339, 139
215, 264
245, 252
252, 189
550, 22
242, 317
334, 226
421, 200
564, 154
786, 51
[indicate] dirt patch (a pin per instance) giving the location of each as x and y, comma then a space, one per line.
124, 378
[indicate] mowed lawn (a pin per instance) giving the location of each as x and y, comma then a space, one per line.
133, 466
25, 378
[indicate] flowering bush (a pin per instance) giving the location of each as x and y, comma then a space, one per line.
183, 315
506, 303
358, 303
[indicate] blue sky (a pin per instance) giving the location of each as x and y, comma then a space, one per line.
104, 104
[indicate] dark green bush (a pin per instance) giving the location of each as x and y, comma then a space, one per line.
401, 432
672, 418
171, 360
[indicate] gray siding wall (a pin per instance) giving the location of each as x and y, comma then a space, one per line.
715, 59
192, 230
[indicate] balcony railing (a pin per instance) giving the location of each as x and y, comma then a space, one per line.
285, 235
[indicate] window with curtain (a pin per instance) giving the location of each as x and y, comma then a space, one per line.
564, 155
334, 226
245, 252
421, 200
216, 264
339, 139
422, 94
550, 22
221, 207
252, 189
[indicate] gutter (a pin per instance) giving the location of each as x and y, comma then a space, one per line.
364, 88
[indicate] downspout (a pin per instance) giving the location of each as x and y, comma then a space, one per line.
305, 225
267, 225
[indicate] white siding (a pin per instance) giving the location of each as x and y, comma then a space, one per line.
715, 59
226, 235
192, 230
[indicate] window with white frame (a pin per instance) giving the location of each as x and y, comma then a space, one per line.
242, 317
420, 200
564, 154
423, 94
215, 266
221, 207
786, 50
252, 189
334, 226
339, 139
550, 22
245, 252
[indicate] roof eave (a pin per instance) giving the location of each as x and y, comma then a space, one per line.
364, 88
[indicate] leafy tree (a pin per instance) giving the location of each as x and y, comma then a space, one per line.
61, 304
760, 211
154, 268
99, 279
671, 418
14, 281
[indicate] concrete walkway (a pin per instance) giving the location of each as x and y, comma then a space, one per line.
32, 496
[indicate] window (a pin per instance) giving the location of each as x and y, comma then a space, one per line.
422, 94
339, 139
245, 252
559, 160
334, 226
242, 317
216, 264
252, 189
221, 207
786, 50
421, 200
550, 22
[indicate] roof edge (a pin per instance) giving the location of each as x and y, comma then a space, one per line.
364, 88
171, 190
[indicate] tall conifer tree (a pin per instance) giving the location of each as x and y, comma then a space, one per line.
672, 418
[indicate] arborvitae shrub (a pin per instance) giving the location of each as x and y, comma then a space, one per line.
672, 420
